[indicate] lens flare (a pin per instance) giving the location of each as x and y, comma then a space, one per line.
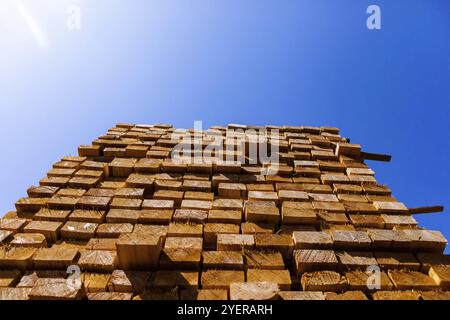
17, 23
33, 25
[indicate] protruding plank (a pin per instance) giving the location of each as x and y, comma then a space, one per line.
376, 156
429, 209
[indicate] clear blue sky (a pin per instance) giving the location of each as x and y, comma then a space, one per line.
280, 62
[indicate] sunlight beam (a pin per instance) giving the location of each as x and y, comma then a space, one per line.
32, 24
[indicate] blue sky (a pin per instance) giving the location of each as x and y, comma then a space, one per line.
257, 62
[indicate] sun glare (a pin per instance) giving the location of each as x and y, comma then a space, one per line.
16, 16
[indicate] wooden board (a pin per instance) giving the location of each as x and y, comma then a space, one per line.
312, 240
235, 242
138, 252
54, 258
34, 240
262, 290
368, 281
281, 277
323, 281
55, 289
97, 260
441, 276
224, 260
180, 259
312, 260
411, 280
220, 279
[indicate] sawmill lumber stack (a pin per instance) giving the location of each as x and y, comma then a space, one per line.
129, 219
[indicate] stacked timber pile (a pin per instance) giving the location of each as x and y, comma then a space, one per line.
126, 219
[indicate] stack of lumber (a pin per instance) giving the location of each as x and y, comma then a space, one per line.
127, 219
